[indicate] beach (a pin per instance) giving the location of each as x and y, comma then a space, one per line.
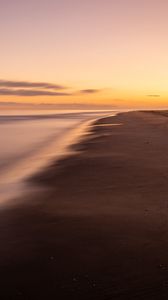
98, 226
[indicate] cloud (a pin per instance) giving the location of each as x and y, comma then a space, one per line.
8, 103
28, 84
30, 92
67, 105
32, 89
153, 96
89, 91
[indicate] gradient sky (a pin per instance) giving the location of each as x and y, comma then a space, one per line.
119, 48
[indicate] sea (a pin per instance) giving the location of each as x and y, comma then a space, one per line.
30, 140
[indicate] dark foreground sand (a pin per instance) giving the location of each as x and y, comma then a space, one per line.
100, 229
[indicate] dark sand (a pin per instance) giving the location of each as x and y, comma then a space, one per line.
100, 229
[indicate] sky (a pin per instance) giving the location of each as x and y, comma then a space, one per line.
112, 52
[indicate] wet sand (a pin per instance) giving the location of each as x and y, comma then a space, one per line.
99, 229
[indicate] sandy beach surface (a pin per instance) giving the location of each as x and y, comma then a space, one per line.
99, 227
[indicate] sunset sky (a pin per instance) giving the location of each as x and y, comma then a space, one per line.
93, 51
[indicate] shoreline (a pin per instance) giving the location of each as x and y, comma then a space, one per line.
100, 229
22, 172
78, 135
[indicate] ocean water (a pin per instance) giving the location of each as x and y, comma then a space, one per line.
30, 140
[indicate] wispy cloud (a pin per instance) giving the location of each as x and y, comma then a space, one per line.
153, 96
8, 103
89, 91
32, 89
30, 92
28, 84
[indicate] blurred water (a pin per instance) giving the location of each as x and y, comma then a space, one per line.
29, 140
